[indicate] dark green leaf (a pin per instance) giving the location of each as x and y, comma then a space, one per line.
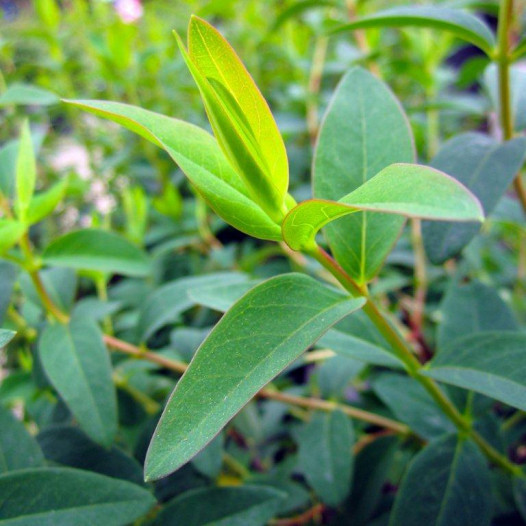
18, 449
519, 492
447, 484
487, 168
258, 337
209, 461
461, 24
65, 496
243, 506
491, 363
93, 249
325, 455
8, 273
364, 131
77, 364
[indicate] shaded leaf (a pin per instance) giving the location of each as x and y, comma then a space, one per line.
519, 492
8, 274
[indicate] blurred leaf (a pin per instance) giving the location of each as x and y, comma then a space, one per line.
26, 172
27, 95
8, 275
77, 364
220, 297
18, 449
519, 492
200, 158
364, 130
254, 505
65, 496
325, 455
487, 168
280, 319
447, 484
44, 203
209, 460
93, 249
491, 363
295, 9
461, 24
10, 233
335, 374
409, 190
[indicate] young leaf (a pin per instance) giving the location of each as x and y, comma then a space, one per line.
409, 190
11, 231
26, 172
18, 449
44, 203
491, 363
77, 364
256, 339
248, 504
364, 130
325, 455
64, 496
487, 168
447, 484
221, 67
461, 24
200, 158
94, 249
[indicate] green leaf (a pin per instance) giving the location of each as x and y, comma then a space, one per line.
8, 275
44, 203
6, 336
519, 492
487, 168
209, 460
411, 404
18, 449
167, 302
461, 24
267, 329
77, 364
26, 172
363, 131
64, 496
94, 249
491, 363
10, 233
70, 447
469, 308
409, 190
325, 455
236, 506
220, 297
27, 95
447, 484
239, 115
200, 158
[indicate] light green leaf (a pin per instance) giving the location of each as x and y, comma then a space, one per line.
26, 172
447, 484
166, 303
76, 362
409, 190
18, 449
325, 455
461, 24
44, 203
245, 109
487, 168
6, 336
200, 158
491, 363
26, 94
11, 231
364, 130
94, 249
64, 496
267, 329
235, 506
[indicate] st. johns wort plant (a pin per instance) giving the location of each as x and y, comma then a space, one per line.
439, 417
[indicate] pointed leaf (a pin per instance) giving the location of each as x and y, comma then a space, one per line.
10, 233
94, 249
26, 172
256, 339
409, 190
364, 130
461, 24
64, 496
6, 336
487, 168
44, 203
77, 364
200, 158
447, 484
491, 363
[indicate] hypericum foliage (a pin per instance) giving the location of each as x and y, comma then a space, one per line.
351, 394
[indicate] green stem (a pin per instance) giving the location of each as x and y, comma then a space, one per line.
406, 356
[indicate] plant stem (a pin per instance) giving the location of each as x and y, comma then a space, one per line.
413, 366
